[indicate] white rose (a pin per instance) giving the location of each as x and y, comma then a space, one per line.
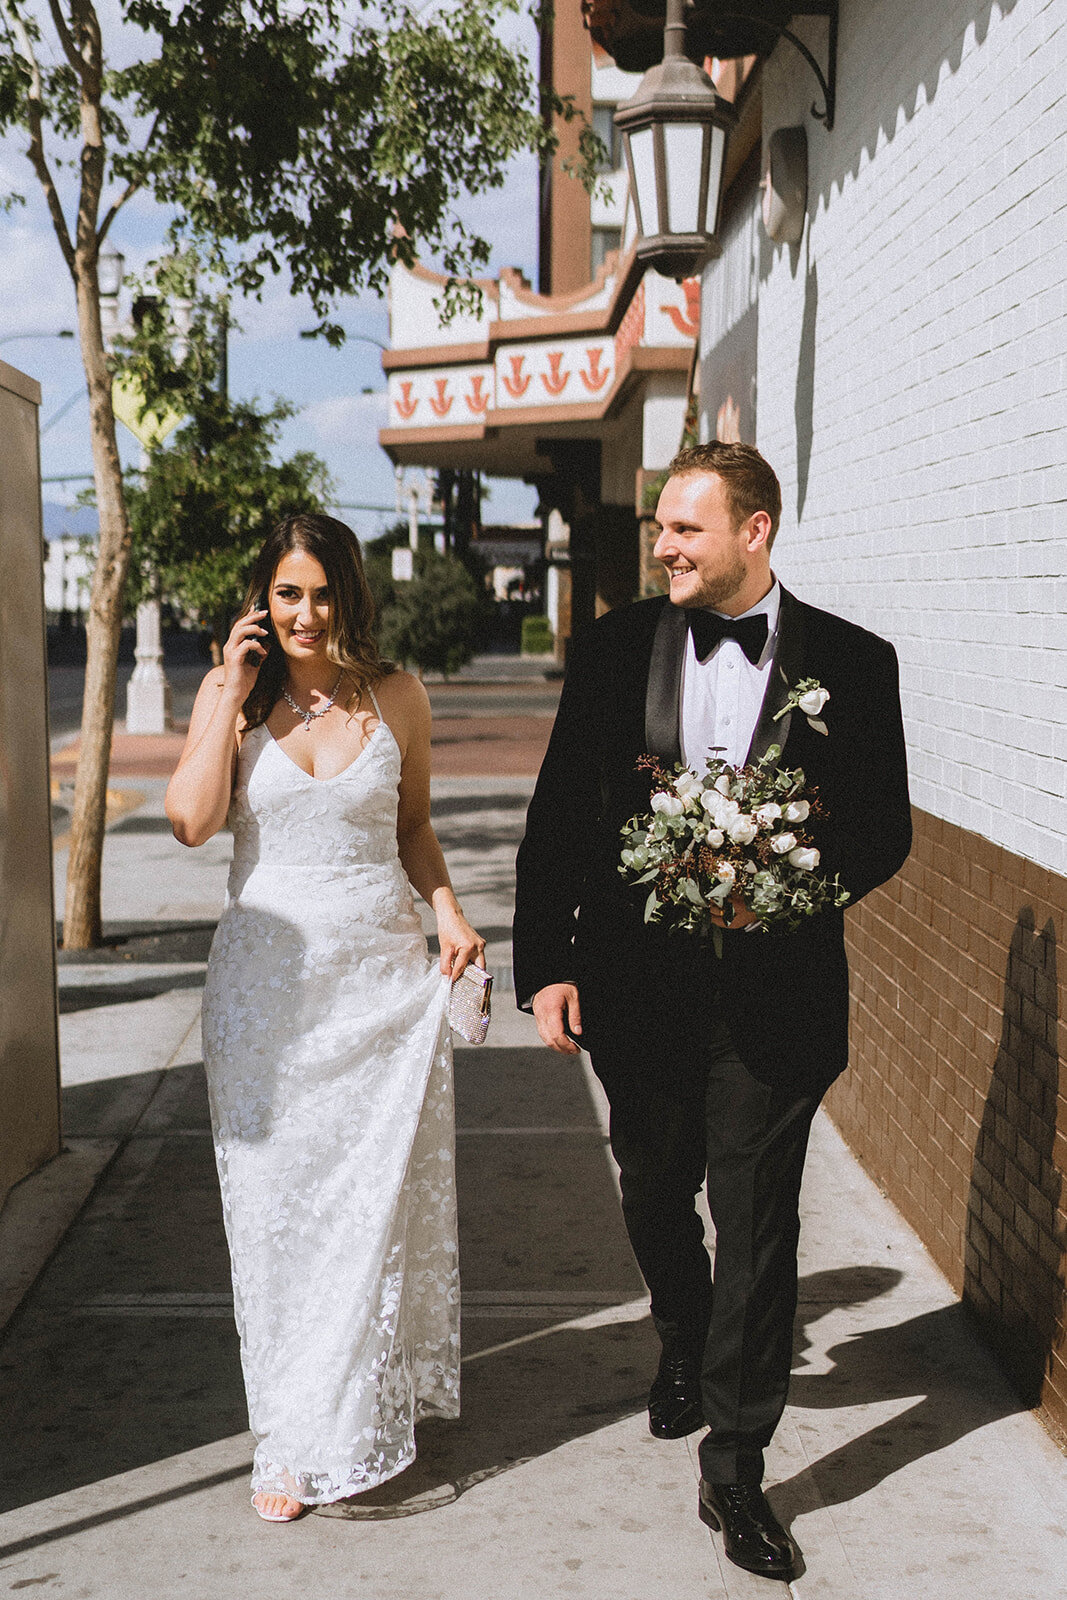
797, 811
742, 829
812, 702
722, 783
668, 804
724, 872
782, 843
805, 857
715, 837
720, 812
687, 785
768, 813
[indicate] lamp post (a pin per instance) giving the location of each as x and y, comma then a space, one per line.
148, 707
110, 269
674, 133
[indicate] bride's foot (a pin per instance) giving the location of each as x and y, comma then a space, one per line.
277, 1507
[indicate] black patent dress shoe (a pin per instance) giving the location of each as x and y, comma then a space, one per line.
674, 1405
752, 1536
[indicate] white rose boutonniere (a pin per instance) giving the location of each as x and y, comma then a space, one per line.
810, 697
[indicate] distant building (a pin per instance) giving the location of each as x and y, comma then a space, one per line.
68, 572
579, 387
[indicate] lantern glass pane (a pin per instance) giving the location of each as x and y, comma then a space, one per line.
718, 151
642, 154
109, 269
684, 142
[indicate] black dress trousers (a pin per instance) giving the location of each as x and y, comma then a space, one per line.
686, 1111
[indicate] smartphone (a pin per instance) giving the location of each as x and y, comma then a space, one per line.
262, 603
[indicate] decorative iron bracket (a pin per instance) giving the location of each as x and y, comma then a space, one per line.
827, 80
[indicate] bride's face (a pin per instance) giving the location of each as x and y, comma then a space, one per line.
300, 605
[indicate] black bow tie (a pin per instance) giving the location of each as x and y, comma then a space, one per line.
708, 630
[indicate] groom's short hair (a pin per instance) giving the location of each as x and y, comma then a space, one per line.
750, 482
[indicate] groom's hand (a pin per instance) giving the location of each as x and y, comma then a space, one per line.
556, 1009
742, 917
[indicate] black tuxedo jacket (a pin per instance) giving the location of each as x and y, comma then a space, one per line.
784, 997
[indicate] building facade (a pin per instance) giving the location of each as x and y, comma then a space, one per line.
903, 366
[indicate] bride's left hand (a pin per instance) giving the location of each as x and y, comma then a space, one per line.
460, 944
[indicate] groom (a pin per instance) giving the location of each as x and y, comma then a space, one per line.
713, 1065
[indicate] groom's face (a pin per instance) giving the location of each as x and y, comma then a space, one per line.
706, 554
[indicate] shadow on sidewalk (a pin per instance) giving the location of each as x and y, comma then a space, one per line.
125, 1353
143, 942
933, 1358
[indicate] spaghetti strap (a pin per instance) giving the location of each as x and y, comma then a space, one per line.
374, 703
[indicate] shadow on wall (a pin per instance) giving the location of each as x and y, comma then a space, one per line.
931, 39
804, 402
1012, 1279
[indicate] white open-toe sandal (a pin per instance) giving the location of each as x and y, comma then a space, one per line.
268, 1516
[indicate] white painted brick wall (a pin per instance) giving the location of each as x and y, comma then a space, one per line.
936, 504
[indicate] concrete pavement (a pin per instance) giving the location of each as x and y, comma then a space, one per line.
904, 1464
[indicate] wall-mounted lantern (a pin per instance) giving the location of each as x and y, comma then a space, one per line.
674, 133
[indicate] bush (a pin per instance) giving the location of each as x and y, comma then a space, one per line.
537, 637
433, 621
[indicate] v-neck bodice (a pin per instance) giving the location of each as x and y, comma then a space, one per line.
282, 816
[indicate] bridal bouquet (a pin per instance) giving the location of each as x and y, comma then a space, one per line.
737, 834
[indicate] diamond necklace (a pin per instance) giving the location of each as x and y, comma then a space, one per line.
310, 716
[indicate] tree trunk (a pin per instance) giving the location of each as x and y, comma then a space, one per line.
81, 918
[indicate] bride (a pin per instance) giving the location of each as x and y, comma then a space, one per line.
325, 1025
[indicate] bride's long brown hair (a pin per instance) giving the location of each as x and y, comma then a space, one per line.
350, 641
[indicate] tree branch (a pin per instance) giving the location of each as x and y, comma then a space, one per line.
93, 158
36, 151
66, 38
129, 191
87, 39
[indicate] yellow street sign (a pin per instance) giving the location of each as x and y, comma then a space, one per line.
150, 428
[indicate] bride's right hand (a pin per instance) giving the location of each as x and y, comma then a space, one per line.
243, 654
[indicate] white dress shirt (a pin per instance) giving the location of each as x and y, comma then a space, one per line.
722, 696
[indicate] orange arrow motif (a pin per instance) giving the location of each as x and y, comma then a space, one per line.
516, 385
555, 381
687, 321
476, 400
595, 378
440, 406
407, 405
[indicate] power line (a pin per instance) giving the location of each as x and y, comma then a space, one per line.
356, 505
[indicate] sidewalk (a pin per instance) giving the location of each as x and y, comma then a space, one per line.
903, 1465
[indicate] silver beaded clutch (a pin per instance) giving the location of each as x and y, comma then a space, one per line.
468, 1004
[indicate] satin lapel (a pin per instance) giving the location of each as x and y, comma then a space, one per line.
787, 670
663, 697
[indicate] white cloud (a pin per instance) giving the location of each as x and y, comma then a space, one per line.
347, 419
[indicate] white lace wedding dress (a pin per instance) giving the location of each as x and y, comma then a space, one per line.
329, 1067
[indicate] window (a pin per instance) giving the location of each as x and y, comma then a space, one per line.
604, 126
603, 240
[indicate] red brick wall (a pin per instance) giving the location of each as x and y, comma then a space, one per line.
956, 1100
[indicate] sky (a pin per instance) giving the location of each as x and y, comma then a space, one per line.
340, 394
